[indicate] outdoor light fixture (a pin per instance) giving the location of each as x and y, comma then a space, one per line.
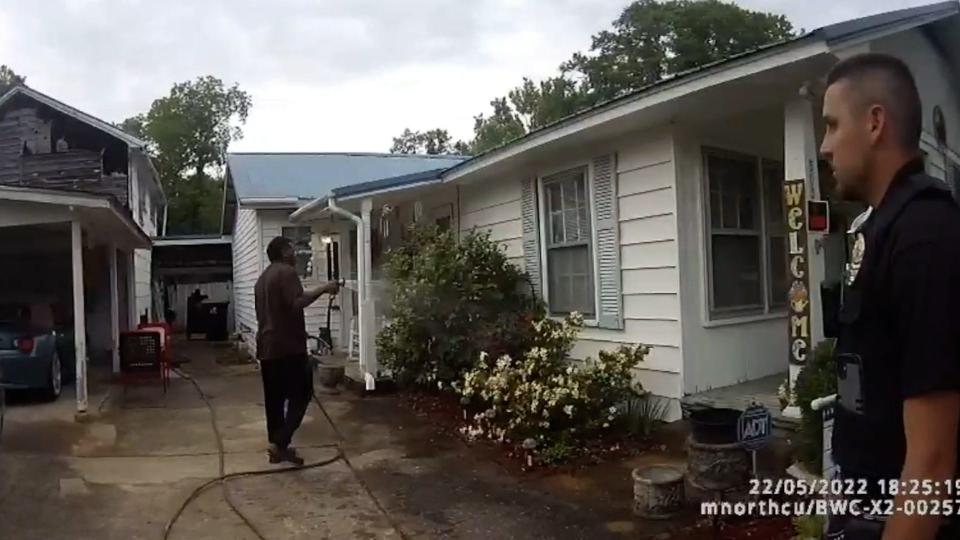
326, 240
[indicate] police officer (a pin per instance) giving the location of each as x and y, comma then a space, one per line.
898, 350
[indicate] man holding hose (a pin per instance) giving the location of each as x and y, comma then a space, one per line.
282, 347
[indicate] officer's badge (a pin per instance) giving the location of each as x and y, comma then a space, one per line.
799, 296
856, 258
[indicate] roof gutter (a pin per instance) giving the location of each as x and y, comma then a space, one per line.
365, 307
313, 205
275, 202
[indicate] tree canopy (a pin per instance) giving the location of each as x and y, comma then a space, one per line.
650, 40
9, 79
434, 141
188, 132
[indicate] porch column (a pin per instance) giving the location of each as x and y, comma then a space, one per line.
805, 251
79, 321
368, 349
114, 309
346, 296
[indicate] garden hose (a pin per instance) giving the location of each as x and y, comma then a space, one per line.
223, 478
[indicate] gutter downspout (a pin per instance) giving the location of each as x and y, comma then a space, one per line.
363, 287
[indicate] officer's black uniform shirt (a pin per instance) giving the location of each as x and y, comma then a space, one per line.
899, 323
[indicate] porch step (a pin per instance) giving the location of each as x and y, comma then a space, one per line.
740, 396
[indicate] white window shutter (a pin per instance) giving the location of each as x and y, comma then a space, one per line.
531, 234
606, 222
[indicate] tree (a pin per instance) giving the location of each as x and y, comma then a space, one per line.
188, 132
432, 142
9, 79
546, 102
652, 40
501, 127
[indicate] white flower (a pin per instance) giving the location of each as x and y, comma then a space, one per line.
606, 424
483, 355
613, 410
569, 410
440, 385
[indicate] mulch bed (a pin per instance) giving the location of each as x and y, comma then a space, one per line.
770, 528
446, 412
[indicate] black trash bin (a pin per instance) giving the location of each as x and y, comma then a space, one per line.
215, 317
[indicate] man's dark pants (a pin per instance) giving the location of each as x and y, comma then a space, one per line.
287, 389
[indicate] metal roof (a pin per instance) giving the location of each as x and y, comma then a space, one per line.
831, 34
313, 175
62, 107
389, 183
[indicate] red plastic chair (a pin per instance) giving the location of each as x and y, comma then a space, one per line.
142, 357
166, 334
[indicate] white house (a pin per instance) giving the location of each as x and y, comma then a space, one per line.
263, 189
79, 202
662, 214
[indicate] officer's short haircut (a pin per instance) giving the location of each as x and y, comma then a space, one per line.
885, 80
275, 248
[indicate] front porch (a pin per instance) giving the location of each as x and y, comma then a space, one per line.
355, 229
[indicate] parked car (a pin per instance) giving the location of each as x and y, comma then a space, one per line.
34, 353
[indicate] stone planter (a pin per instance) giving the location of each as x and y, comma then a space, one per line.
717, 467
657, 491
330, 373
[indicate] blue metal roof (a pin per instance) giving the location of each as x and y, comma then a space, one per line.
311, 176
387, 183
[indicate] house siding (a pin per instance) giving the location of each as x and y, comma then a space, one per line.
936, 79
720, 355
494, 206
142, 259
144, 215
648, 249
246, 269
648, 259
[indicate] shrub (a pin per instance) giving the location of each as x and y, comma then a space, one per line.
544, 396
817, 379
643, 412
451, 300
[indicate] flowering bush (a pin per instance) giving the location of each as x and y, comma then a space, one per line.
544, 398
450, 301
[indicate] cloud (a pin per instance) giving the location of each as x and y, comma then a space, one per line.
324, 74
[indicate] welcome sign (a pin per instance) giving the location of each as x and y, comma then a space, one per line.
799, 292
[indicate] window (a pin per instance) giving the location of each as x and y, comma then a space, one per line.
776, 230
568, 242
747, 236
302, 251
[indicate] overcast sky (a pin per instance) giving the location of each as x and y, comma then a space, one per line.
325, 75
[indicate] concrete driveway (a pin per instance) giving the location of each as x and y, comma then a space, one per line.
123, 474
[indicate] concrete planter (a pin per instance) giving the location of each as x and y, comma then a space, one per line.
330, 373
657, 491
717, 467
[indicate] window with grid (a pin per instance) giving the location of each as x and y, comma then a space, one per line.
302, 251
747, 240
568, 241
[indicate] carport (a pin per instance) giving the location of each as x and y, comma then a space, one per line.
75, 249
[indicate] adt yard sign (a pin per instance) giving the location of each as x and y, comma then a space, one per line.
754, 427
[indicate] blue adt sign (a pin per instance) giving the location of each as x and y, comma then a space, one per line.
754, 427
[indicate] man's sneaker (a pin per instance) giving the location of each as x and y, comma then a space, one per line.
289, 455
274, 453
